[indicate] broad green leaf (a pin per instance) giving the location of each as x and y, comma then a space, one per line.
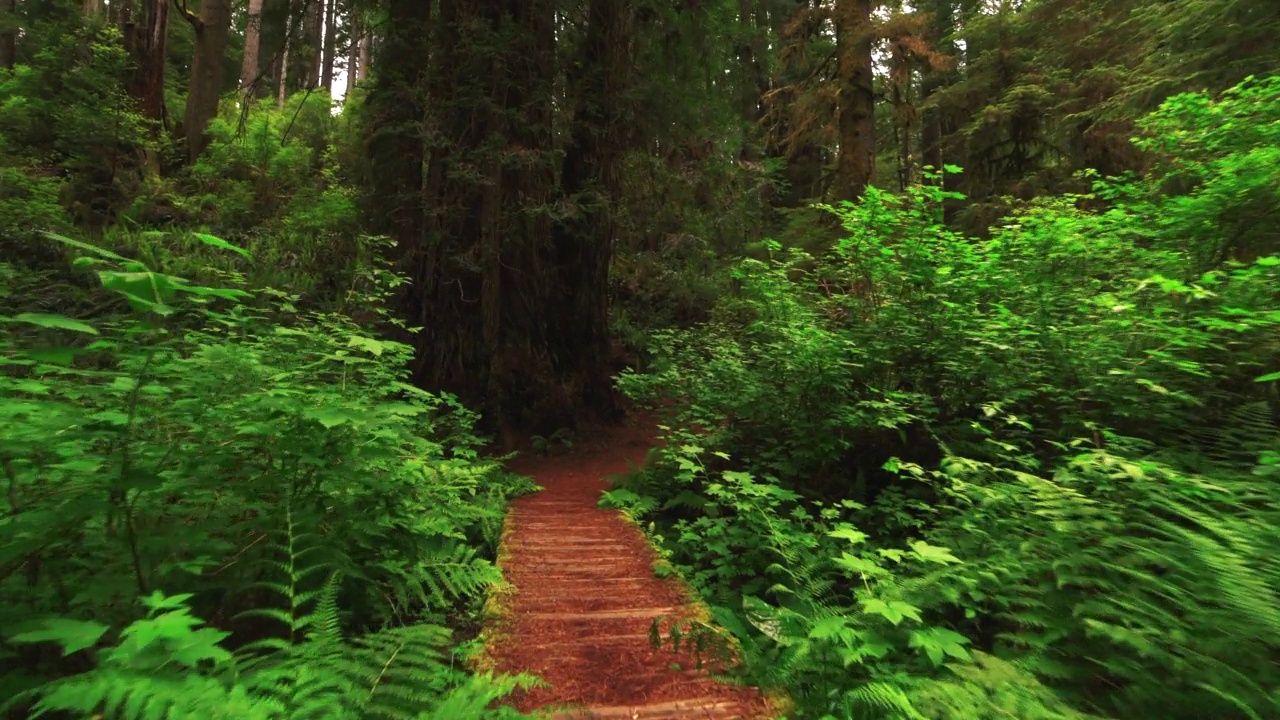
370, 345
53, 322
218, 242
330, 418
853, 535
933, 553
895, 611
85, 246
827, 628
72, 635
940, 643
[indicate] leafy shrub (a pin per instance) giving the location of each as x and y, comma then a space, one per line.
272, 465
66, 115
1080, 407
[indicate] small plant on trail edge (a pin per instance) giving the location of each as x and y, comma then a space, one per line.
300, 523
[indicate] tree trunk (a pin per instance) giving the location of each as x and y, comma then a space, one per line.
904, 111
8, 33
282, 81
364, 52
805, 157
312, 40
932, 127
330, 45
353, 54
252, 45
91, 7
590, 181
147, 43
213, 29
857, 160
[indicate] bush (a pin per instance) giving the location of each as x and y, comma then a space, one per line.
1080, 408
225, 456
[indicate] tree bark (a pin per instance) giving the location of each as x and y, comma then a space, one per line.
590, 182
365, 54
312, 40
8, 33
282, 81
252, 45
933, 128
147, 43
353, 55
330, 45
213, 29
856, 162
805, 156
91, 7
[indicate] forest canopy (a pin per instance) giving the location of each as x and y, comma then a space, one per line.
959, 319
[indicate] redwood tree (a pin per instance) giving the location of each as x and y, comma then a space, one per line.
856, 162
213, 28
8, 33
252, 45
146, 38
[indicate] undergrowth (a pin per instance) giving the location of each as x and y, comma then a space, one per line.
924, 475
218, 504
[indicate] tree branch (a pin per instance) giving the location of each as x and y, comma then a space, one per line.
196, 23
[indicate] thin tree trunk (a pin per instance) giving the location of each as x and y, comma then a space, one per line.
904, 112
364, 63
282, 86
8, 33
856, 163
213, 29
252, 45
313, 34
353, 54
330, 45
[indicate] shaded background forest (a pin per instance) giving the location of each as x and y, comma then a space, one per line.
511, 151
985, 277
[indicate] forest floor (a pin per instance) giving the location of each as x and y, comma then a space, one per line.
585, 597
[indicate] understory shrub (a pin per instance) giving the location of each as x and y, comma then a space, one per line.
922, 474
232, 460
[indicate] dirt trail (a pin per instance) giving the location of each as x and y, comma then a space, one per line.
586, 595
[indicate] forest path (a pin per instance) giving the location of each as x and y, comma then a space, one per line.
585, 596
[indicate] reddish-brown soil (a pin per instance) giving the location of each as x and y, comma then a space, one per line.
586, 596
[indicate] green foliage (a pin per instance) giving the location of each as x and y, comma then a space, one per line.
271, 464
927, 475
66, 115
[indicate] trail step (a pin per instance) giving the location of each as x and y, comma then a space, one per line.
583, 597
704, 708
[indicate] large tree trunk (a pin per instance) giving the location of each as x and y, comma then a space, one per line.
515, 310
397, 152
147, 43
91, 7
252, 45
590, 179
856, 163
330, 45
8, 33
805, 156
213, 29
